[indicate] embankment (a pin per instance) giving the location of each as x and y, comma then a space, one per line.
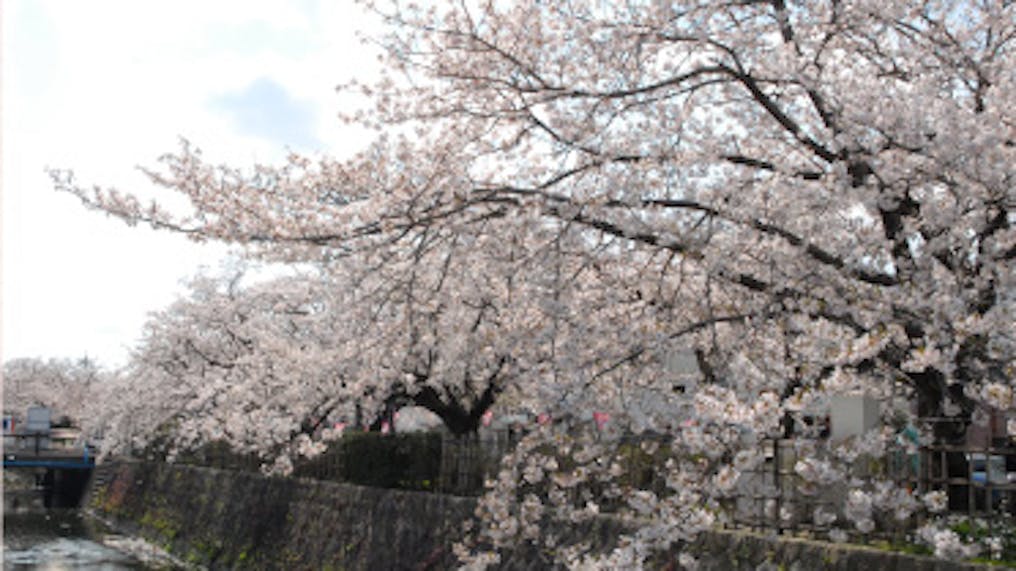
231, 520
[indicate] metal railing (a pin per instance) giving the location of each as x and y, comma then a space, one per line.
976, 481
44, 449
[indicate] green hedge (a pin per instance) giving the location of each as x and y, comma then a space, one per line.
427, 461
405, 461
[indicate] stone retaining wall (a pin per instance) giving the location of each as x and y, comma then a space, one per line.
720, 551
232, 520
235, 520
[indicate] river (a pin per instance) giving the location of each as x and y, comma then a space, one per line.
36, 538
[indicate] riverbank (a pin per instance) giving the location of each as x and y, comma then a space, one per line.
234, 520
62, 539
21, 493
35, 537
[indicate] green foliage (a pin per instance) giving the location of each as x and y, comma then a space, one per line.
1001, 530
219, 455
161, 522
901, 547
642, 462
409, 461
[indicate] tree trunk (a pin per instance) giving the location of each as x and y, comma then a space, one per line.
458, 419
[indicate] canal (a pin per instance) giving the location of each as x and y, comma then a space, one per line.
37, 538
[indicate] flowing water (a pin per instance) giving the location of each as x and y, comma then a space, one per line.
36, 538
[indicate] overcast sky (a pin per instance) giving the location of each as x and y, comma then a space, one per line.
103, 86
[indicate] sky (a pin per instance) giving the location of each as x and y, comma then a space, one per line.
101, 87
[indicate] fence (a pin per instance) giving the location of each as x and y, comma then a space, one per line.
977, 479
776, 498
423, 461
467, 462
772, 497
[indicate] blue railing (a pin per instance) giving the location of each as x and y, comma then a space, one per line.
35, 450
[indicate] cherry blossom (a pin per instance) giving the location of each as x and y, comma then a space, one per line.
814, 197
69, 387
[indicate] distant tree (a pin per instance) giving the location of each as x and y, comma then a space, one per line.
249, 365
66, 386
265, 366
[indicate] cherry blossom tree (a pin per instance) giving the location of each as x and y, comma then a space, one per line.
817, 196
248, 365
270, 366
66, 386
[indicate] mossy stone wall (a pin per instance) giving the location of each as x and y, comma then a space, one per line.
235, 520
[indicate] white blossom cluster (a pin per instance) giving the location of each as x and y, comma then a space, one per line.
947, 543
815, 198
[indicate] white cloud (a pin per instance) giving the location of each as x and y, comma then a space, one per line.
102, 86
266, 110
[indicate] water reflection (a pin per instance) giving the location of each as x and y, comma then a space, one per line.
62, 540
68, 554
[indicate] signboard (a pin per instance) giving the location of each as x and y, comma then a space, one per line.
853, 415
38, 419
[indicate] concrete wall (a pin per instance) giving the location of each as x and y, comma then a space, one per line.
230, 520
720, 551
233, 520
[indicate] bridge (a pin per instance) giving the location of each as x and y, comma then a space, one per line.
61, 462
42, 450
